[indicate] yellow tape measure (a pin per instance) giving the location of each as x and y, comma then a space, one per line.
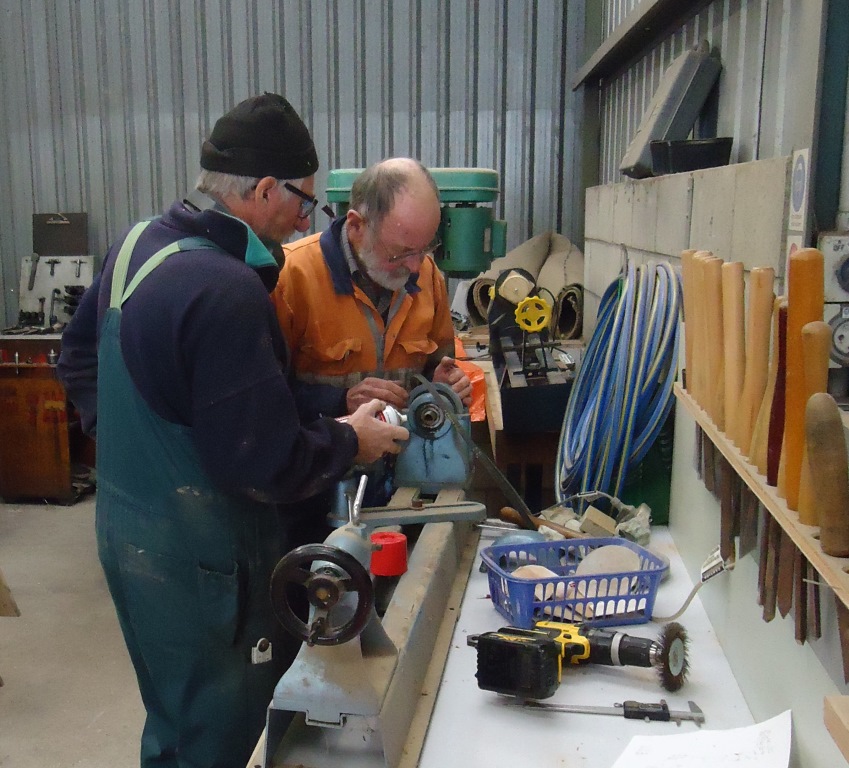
533, 314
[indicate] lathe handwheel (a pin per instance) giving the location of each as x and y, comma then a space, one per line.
325, 588
533, 314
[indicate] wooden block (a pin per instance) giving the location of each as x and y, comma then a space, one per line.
836, 718
596, 523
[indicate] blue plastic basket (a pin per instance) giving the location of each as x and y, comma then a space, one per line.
602, 600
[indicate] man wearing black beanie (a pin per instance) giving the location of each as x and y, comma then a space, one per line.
175, 357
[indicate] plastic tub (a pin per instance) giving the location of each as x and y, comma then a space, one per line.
625, 597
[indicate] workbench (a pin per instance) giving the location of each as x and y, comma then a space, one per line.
472, 728
458, 724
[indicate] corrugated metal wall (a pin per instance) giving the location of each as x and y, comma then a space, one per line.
764, 87
614, 13
107, 102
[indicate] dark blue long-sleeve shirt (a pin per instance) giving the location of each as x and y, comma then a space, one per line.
203, 347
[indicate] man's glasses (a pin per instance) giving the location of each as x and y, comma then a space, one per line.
308, 203
415, 254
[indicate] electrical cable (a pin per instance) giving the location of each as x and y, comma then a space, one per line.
623, 391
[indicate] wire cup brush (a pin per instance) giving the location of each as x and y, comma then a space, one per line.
667, 654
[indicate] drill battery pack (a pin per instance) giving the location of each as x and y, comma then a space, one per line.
518, 662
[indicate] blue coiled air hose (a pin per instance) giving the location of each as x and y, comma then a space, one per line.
623, 391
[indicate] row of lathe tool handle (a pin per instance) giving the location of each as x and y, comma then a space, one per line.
758, 367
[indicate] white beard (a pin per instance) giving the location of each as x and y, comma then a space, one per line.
394, 280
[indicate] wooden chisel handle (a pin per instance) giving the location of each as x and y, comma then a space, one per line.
511, 515
757, 449
715, 361
816, 346
775, 433
689, 319
761, 297
734, 344
829, 472
700, 332
805, 297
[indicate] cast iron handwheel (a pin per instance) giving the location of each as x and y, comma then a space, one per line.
324, 588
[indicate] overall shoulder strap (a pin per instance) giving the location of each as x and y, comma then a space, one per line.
186, 244
122, 263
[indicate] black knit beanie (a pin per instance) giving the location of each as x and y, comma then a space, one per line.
261, 136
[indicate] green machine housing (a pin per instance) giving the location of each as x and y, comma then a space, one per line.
471, 236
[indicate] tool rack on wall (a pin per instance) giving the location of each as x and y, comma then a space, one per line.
833, 571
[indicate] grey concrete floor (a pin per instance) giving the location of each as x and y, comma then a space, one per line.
70, 697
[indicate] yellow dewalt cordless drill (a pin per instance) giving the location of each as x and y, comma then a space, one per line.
528, 662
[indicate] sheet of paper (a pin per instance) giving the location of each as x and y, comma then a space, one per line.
763, 745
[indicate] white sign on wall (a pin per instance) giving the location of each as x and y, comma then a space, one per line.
797, 216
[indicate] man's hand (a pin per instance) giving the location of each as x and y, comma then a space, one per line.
376, 438
448, 372
372, 388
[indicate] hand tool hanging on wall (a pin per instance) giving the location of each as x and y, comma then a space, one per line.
812, 584
805, 297
769, 562
843, 630
800, 596
732, 490
689, 319
786, 564
692, 337
33, 268
752, 510
758, 388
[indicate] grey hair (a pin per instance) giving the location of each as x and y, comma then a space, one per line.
374, 190
222, 186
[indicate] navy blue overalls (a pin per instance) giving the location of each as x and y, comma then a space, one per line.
188, 568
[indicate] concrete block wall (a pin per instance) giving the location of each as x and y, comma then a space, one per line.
738, 211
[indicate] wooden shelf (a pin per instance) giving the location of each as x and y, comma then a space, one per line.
832, 570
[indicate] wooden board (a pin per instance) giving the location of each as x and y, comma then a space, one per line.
803, 536
836, 717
